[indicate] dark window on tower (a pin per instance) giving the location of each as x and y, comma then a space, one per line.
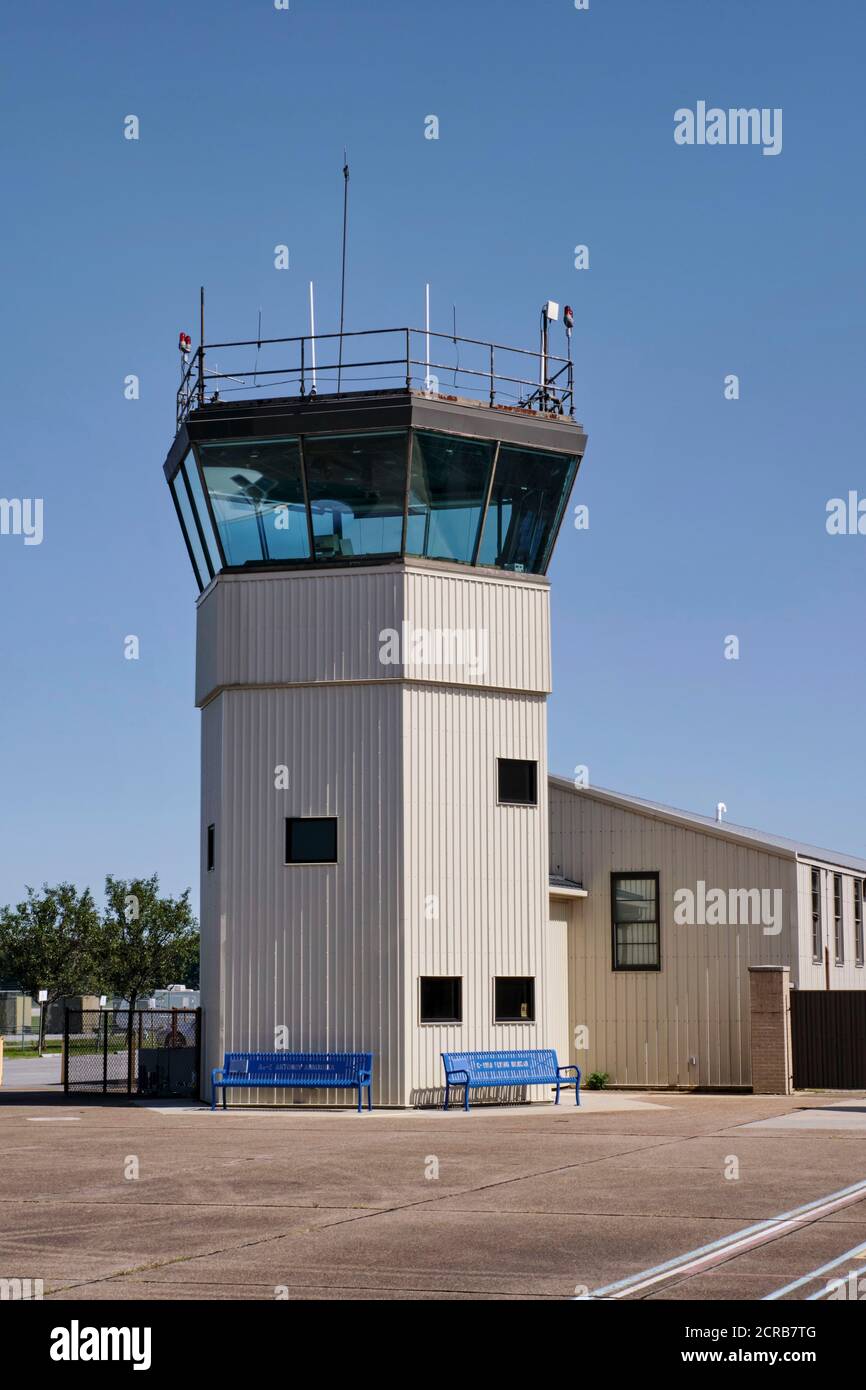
441, 999
514, 999
858, 921
635, 910
518, 782
311, 840
211, 845
817, 916
838, 925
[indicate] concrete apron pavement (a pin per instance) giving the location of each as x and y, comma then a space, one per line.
593, 1103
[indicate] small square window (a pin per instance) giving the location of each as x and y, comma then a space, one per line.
441, 999
514, 999
211, 846
518, 782
311, 840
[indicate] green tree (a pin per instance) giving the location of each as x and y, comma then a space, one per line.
52, 941
149, 940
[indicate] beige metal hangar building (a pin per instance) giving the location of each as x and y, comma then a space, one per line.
678, 906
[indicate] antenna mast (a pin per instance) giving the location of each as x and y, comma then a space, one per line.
343, 281
427, 387
201, 348
313, 336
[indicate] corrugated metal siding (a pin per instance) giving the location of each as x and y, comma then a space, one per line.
286, 629
211, 922
314, 948
644, 1025
514, 618
409, 769
305, 627
811, 974
486, 864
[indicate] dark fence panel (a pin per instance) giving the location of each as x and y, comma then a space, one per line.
143, 1052
828, 1039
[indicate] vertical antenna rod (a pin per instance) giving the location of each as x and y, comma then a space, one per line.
201, 348
343, 281
313, 336
427, 339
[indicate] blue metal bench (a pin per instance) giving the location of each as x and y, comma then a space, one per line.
528, 1068
289, 1069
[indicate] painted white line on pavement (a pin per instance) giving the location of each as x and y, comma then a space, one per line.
854, 1254
705, 1256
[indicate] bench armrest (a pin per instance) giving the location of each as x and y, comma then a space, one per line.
458, 1075
364, 1077
560, 1070
216, 1075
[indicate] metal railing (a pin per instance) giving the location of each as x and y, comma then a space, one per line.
490, 373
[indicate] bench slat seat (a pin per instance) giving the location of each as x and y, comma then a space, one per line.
527, 1067
305, 1070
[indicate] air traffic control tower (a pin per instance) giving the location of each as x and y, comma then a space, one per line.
370, 527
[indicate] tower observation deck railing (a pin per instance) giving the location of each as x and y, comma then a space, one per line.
407, 358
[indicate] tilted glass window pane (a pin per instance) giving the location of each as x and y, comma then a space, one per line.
190, 467
446, 495
257, 496
357, 487
182, 498
529, 491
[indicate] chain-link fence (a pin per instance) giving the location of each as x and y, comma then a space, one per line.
139, 1052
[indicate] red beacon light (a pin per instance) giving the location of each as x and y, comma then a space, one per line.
184, 344
568, 317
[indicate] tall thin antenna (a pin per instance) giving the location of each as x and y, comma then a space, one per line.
343, 281
427, 338
201, 347
313, 336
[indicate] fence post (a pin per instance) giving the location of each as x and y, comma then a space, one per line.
770, 1029
130, 1051
198, 1076
65, 1062
105, 1053
492, 376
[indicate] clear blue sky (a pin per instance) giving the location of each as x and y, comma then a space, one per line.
556, 128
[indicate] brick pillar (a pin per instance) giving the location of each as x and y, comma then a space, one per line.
770, 1019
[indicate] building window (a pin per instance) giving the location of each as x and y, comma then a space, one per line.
635, 911
838, 927
529, 491
514, 999
518, 782
256, 491
211, 845
357, 493
858, 921
441, 999
817, 917
311, 840
448, 485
